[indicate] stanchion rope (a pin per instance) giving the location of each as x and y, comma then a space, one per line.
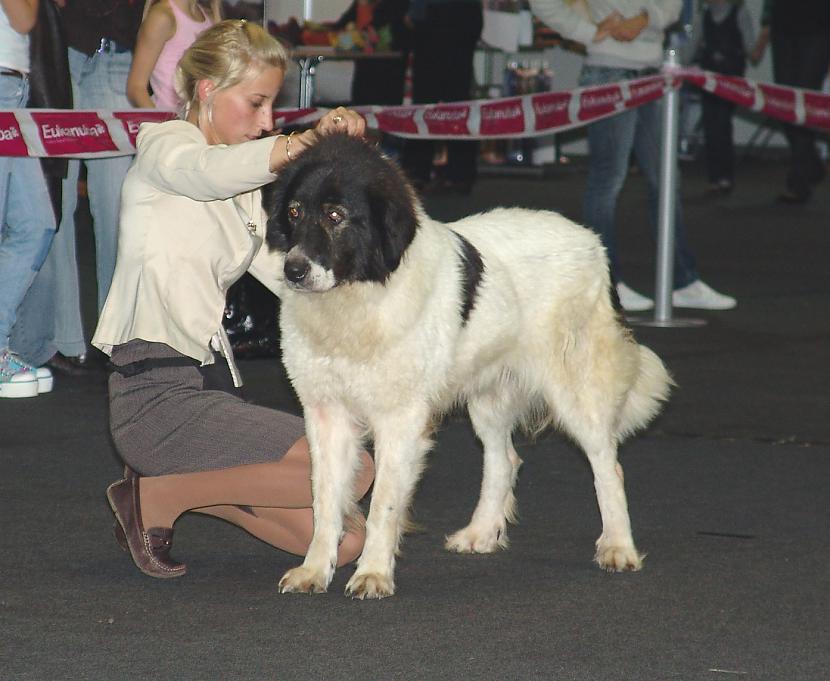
94, 134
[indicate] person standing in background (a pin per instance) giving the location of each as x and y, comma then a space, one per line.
168, 29
624, 40
379, 80
722, 38
27, 224
49, 88
445, 35
800, 35
100, 35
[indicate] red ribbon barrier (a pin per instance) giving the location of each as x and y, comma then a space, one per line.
96, 134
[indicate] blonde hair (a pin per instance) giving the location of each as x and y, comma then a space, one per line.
226, 54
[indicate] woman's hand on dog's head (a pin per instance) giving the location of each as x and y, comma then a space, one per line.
339, 120
342, 120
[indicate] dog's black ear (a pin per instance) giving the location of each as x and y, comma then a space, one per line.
394, 219
273, 198
275, 204
270, 198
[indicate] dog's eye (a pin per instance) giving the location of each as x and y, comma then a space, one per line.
293, 210
335, 217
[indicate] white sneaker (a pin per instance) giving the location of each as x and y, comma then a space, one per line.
45, 380
703, 297
16, 377
632, 301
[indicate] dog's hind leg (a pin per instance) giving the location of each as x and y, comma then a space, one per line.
493, 417
615, 547
593, 429
400, 446
587, 385
334, 442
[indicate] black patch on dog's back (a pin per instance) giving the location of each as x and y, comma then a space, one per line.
472, 271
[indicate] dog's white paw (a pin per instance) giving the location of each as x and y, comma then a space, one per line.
370, 585
303, 580
619, 558
476, 540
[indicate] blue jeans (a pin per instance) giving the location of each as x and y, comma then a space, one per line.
50, 319
610, 144
27, 223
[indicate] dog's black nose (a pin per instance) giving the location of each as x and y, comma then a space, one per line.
296, 270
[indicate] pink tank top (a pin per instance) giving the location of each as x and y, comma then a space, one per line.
161, 79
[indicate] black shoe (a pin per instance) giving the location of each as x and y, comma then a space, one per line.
818, 174
792, 198
720, 187
82, 365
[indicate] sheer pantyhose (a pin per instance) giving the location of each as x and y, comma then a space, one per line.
271, 501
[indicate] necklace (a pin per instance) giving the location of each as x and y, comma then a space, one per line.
251, 225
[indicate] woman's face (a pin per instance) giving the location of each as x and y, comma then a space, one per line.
242, 112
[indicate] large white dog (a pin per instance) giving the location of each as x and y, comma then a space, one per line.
390, 318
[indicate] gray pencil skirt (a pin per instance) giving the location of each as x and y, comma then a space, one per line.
164, 420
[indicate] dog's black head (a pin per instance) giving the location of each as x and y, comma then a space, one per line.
341, 212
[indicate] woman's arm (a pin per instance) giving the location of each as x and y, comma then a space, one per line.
662, 13
747, 29
175, 158
756, 53
156, 29
216, 10
628, 29
567, 22
655, 15
287, 147
22, 14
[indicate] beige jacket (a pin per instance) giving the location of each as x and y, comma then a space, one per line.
191, 225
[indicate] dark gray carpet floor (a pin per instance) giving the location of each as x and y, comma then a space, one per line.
727, 490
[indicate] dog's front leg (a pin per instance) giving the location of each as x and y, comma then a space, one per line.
334, 444
400, 446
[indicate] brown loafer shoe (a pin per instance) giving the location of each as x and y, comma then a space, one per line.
120, 537
117, 530
150, 549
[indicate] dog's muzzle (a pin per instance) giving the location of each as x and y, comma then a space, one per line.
296, 269
303, 274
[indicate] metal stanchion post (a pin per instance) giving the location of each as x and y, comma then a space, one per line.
664, 281
668, 195
308, 66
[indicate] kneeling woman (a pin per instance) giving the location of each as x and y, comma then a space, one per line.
191, 225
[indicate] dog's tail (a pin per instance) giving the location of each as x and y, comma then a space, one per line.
651, 387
